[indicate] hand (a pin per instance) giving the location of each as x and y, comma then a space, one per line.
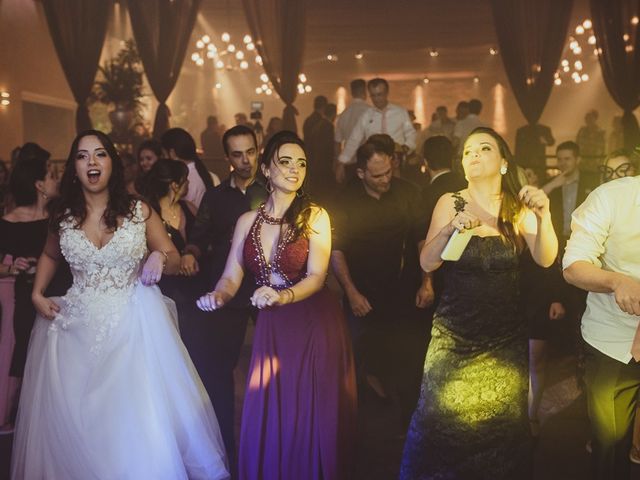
556, 311
340, 173
535, 199
425, 295
22, 264
210, 302
463, 221
360, 306
265, 297
45, 306
189, 265
627, 294
152, 269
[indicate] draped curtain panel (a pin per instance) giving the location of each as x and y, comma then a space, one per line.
531, 38
162, 30
618, 42
278, 27
78, 29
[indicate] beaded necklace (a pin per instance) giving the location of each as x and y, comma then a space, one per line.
266, 269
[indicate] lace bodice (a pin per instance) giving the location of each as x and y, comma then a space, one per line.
103, 278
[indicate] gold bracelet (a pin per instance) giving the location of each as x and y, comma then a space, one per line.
292, 296
166, 258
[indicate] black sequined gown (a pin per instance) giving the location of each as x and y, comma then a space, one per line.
471, 419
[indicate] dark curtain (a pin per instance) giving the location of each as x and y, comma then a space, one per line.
162, 29
278, 28
620, 58
78, 28
531, 38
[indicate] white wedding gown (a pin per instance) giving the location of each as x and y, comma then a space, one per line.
109, 390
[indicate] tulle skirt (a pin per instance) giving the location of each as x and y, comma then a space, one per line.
133, 408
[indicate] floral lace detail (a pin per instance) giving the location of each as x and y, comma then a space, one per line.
103, 278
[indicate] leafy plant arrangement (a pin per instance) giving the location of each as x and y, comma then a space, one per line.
120, 81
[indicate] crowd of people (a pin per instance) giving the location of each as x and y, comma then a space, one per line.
127, 285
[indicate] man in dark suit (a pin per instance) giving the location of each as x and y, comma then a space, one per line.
568, 190
438, 155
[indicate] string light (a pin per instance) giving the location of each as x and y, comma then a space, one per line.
359, 55
433, 52
228, 56
5, 98
493, 51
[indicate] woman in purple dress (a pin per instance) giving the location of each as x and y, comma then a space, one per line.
298, 420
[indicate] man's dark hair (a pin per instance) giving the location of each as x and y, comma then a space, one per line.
475, 106
320, 102
374, 82
462, 104
366, 151
236, 132
438, 152
181, 141
331, 110
384, 142
358, 87
212, 120
569, 145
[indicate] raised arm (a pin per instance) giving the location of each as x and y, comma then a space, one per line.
537, 228
444, 222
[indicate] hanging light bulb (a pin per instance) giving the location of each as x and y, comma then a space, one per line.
244, 65
557, 81
200, 44
258, 90
592, 40
225, 37
240, 55
359, 55
219, 64
584, 77
587, 24
264, 77
206, 38
302, 77
247, 39
251, 47
307, 88
579, 30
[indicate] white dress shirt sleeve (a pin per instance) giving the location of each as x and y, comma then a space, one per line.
409, 132
590, 226
357, 137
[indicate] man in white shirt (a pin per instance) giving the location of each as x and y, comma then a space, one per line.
602, 256
348, 119
385, 117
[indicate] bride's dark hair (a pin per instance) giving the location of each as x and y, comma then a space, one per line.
71, 203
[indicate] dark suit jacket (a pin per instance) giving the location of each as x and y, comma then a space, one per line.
586, 183
446, 183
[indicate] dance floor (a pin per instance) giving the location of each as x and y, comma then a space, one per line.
560, 454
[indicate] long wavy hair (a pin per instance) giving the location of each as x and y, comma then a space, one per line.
156, 183
299, 212
511, 208
71, 203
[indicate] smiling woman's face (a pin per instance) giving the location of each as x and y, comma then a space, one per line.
288, 168
93, 164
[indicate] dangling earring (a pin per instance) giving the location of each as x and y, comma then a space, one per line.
300, 193
269, 186
503, 170
45, 196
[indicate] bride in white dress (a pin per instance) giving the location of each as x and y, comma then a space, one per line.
109, 390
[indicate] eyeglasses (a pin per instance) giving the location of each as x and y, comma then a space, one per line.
621, 171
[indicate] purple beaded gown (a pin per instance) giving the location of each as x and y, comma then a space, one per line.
299, 414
